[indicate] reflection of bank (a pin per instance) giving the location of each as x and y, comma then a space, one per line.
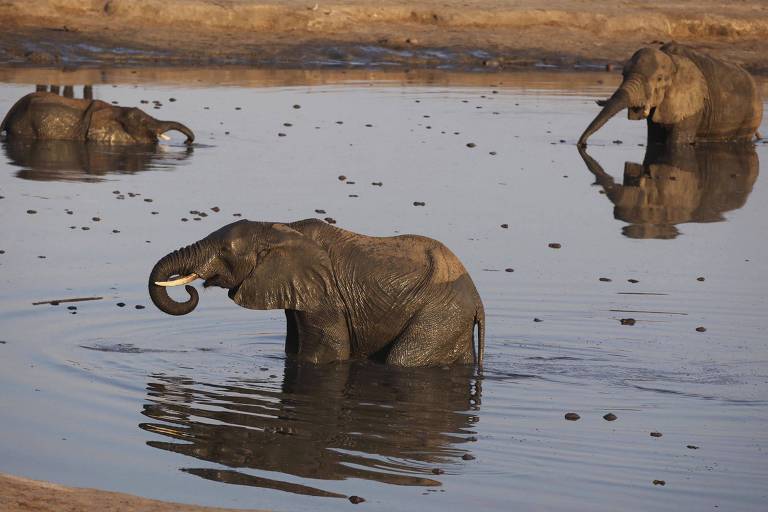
60, 160
328, 422
679, 184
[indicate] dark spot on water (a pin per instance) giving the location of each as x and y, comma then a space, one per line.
147, 200
319, 211
184, 219
121, 304
342, 178
115, 191
330, 220
72, 308
237, 214
692, 447
492, 153
115, 230
659, 482
471, 144
605, 279
437, 471
610, 417
85, 228
238, 108
505, 226
216, 209
509, 270
627, 321
41, 257
377, 183
538, 320
419, 203
633, 281
171, 99
368, 125
353, 195
572, 416
139, 306
127, 348
356, 499
468, 456
281, 134
700, 279
297, 106
617, 141
656, 434
554, 245
31, 212
287, 125
350, 182
701, 329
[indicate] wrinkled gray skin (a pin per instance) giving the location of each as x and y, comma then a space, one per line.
404, 300
48, 116
686, 97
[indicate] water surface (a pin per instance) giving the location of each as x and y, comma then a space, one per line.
206, 409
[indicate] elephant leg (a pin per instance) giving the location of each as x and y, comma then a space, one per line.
430, 340
291, 332
322, 337
684, 132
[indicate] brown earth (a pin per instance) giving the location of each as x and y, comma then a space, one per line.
36, 496
459, 34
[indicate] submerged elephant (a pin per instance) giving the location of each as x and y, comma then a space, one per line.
685, 96
679, 184
404, 300
45, 115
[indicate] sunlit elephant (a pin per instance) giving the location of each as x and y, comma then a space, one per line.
45, 115
679, 184
324, 423
405, 300
66, 160
685, 96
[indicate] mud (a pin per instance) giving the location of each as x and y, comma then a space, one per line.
483, 35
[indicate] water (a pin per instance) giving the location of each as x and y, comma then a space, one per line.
206, 409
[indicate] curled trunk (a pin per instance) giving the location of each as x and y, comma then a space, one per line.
180, 262
165, 126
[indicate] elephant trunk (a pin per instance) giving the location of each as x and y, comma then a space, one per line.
165, 126
180, 262
616, 103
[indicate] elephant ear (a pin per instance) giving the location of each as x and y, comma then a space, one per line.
684, 96
291, 272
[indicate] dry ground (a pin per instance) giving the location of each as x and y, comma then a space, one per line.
305, 33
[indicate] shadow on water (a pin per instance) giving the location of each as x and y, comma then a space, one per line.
678, 185
60, 160
330, 422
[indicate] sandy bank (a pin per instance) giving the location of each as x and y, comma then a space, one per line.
479, 34
33, 496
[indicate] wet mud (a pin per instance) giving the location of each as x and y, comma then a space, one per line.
206, 408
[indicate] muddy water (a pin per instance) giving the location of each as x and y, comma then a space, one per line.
113, 394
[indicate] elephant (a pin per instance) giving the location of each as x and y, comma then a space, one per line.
321, 423
46, 115
679, 184
67, 160
686, 97
405, 300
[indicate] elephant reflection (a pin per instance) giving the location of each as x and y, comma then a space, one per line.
68, 91
679, 184
61, 160
327, 422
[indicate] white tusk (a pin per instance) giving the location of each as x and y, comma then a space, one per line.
164, 136
179, 281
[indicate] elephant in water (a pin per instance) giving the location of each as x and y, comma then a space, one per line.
45, 115
685, 96
404, 300
679, 184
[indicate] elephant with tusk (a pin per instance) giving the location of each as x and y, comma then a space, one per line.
404, 300
48, 116
685, 96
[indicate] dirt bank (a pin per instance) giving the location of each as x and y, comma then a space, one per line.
487, 34
33, 496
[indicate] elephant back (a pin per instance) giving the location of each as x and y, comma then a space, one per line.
734, 108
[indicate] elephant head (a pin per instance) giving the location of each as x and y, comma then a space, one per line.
131, 125
264, 265
658, 86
